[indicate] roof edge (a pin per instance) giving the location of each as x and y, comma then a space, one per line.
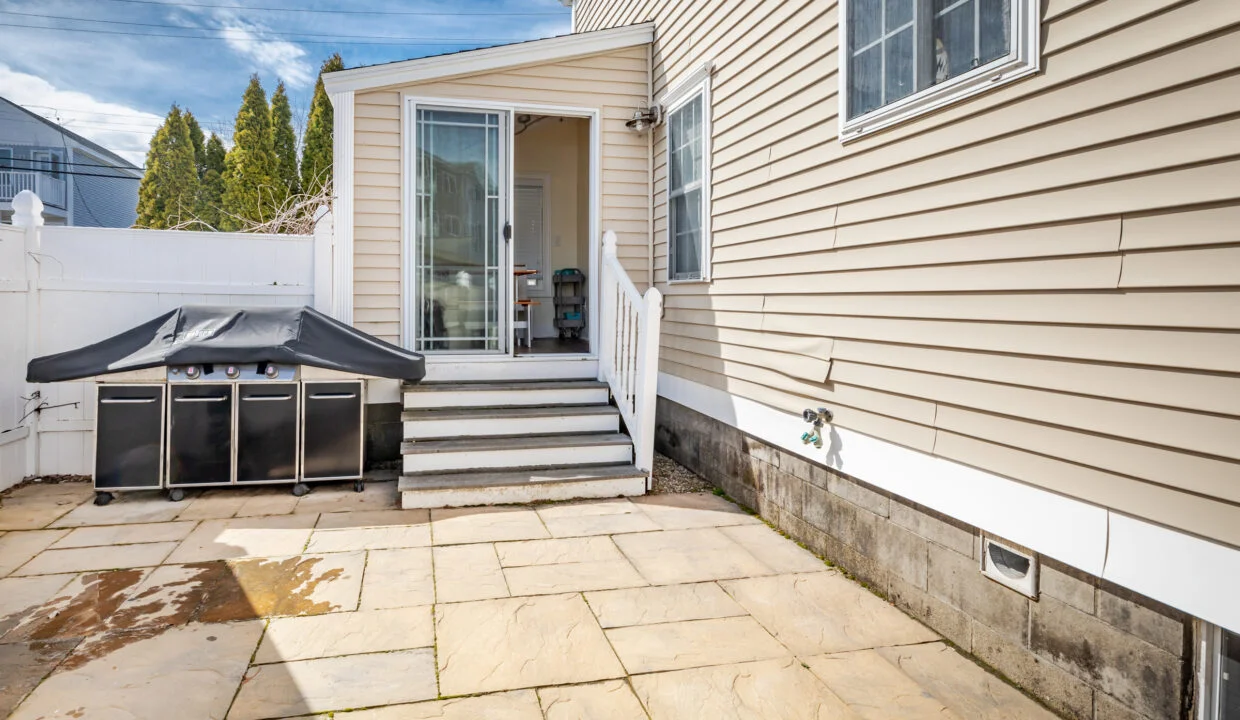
492, 58
106, 154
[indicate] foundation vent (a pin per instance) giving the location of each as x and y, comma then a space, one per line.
1007, 565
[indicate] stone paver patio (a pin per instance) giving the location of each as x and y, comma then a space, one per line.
252, 604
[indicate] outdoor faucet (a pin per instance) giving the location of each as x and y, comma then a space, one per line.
816, 418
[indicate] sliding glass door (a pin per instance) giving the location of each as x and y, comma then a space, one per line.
460, 293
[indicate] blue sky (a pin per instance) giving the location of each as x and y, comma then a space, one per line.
101, 68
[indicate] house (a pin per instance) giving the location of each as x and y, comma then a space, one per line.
998, 243
80, 182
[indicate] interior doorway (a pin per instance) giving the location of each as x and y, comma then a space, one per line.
551, 250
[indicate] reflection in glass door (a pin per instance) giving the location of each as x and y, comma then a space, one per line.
461, 203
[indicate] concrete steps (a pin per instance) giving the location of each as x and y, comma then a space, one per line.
482, 443
432, 490
524, 393
440, 423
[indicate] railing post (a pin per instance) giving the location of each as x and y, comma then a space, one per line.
28, 214
648, 378
607, 323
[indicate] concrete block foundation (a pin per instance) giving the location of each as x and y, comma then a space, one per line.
1086, 648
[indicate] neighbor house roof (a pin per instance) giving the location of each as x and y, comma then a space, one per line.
95, 148
466, 62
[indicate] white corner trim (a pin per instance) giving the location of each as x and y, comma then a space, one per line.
486, 59
1195, 575
342, 210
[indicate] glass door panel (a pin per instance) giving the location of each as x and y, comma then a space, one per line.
461, 203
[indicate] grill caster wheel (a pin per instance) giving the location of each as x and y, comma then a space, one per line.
176, 495
103, 498
358, 486
300, 489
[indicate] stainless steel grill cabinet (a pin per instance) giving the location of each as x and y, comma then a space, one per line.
332, 430
207, 396
267, 437
129, 437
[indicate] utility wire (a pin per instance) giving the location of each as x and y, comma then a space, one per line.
559, 13
75, 172
266, 33
123, 115
51, 163
450, 43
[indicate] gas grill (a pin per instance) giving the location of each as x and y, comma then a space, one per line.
212, 397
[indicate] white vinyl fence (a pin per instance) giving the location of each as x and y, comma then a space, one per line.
65, 287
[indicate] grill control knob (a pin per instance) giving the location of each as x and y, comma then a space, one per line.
233, 372
273, 372
192, 372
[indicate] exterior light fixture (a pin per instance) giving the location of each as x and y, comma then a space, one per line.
644, 120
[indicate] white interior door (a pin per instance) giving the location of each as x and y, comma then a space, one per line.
461, 291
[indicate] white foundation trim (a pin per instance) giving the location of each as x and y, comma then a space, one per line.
1197, 576
342, 207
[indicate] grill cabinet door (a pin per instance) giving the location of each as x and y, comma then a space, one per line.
200, 438
332, 439
128, 434
267, 432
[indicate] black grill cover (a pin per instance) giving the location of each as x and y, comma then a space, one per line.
200, 334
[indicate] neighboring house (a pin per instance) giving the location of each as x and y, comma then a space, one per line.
998, 240
79, 181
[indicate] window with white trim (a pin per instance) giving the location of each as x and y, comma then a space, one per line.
688, 185
905, 57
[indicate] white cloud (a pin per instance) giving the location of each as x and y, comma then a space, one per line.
254, 42
123, 130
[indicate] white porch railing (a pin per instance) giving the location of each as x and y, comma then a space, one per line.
629, 357
49, 189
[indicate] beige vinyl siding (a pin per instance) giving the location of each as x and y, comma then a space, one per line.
1042, 281
614, 83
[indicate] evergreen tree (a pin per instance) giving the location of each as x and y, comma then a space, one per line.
196, 139
250, 172
316, 155
284, 143
211, 188
169, 187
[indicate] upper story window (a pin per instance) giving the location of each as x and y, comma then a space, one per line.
47, 162
905, 57
688, 181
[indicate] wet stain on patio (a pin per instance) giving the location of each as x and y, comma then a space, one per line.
24, 665
108, 616
263, 588
81, 614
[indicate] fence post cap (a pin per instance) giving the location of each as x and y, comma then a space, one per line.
27, 210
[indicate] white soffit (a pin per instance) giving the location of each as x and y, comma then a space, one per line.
471, 62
